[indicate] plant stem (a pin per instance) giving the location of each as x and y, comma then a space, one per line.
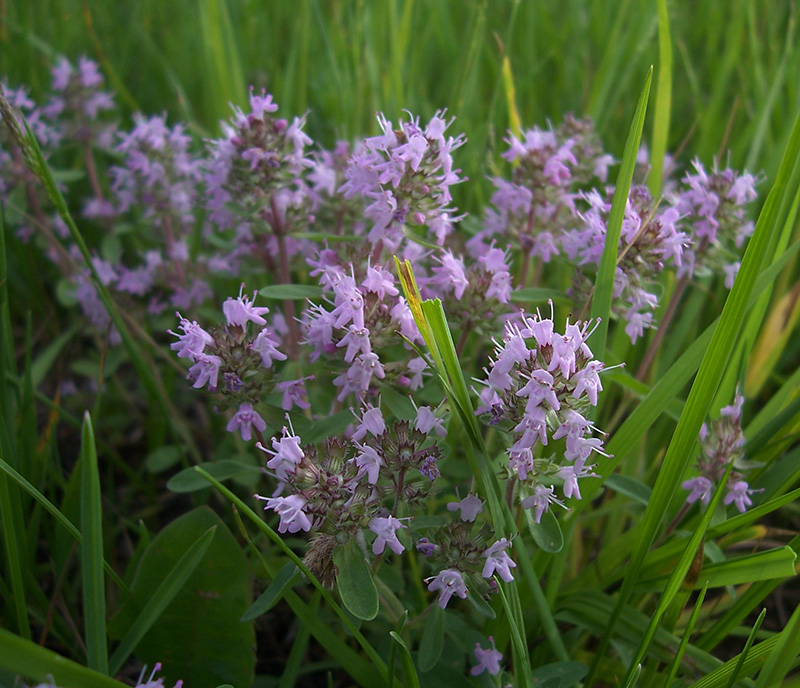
650, 355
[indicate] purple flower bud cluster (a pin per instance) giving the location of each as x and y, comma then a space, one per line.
237, 362
255, 179
340, 490
404, 177
359, 318
463, 552
549, 167
715, 205
78, 101
540, 385
648, 240
722, 443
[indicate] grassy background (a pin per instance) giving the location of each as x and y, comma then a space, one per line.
736, 64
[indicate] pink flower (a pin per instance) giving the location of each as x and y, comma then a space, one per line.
244, 420
386, 530
469, 507
488, 660
241, 310
448, 583
290, 509
497, 560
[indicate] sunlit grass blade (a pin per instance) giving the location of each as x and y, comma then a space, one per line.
93, 582
663, 105
522, 662
745, 602
23, 657
160, 598
224, 72
678, 575
606, 272
56, 513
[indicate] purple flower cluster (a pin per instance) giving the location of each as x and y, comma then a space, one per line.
721, 443
462, 553
648, 240
715, 205
404, 177
237, 362
339, 490
540, 385
359, 318
549, 167
254, 178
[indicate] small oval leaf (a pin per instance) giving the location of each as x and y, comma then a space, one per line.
546, 534
358, 590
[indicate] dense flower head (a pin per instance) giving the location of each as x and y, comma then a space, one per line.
537, 203
360, 317
715, 206
255, 178
404, 176
237, 362
648, 240
721, 443
159, 174
540, 385
78, 101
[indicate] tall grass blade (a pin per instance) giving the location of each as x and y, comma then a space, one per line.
687, 632
663, 109
93, 582
606, 273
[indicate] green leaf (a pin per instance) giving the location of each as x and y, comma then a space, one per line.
358, 590
480, 605
269, 598
188, 480
784, 656
547, 533
432, 641
193, 577
92, 580
539, 295
663, 106
291, 292
162, 459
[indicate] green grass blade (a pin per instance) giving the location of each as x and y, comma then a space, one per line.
606, 273
743, 654
412, 680
56, 513
663, 109
296, 656
93, 582
679, 572
522, 662
708, 378
20, 656
12, 528
756, 656
687, 632
161, 598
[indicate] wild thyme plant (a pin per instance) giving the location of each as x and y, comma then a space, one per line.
474, 531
